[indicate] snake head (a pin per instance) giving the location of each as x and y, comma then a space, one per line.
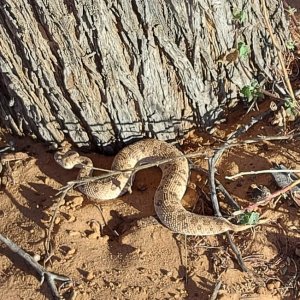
67, 160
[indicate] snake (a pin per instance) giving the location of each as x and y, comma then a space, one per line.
167, 199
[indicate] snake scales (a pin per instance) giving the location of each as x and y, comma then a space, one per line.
167, 199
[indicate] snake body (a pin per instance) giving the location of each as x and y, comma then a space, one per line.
167, 199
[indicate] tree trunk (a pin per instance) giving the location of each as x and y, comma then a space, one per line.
105, 72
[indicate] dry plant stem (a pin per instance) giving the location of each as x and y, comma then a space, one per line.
214, 199
219, 187
267, 199
269, 94
286, 6
236, 252
261, 172
48, 249
277, 46
216, 290
98, 206
212, 185
211, 166
230, 143
45, 275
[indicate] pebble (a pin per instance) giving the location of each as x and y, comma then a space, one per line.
36, 257
74, 233
93, 235
70, 218
95, 226
57, 220
277, 284
90, 275
71, 251
76, 201
47, 180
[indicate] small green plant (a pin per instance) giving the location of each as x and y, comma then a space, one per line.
249, 218
244, 50
291, 45
239, 15
290, 106
251, 91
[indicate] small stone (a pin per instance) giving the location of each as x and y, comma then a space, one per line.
277, 284
89, 276
70, 218
57, 220
95, 226
93, 235
71, 251
74, 233
77, 201
36, 257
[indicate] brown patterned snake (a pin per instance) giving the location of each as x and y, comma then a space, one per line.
167, 199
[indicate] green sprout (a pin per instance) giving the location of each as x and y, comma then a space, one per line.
244, 50
249, 218
290, 106
291, 45
252, 91
239, 15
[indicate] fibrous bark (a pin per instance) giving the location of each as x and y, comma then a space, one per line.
105, 72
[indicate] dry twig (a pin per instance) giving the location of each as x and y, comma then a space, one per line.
216, 290
59, 203
268, 198
261, 172
277, 47
47, 276
230, 143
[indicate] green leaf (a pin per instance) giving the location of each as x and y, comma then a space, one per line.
249, 218
244, 50
291, 45
239, 15
252, 91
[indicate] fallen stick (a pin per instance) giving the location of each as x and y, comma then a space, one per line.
45, 275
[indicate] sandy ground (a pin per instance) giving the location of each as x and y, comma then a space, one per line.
144, 260
134, 257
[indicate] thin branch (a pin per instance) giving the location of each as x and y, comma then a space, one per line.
52, 222
277, 47
216, 290
45, 275
219, 187
272, 171
214, 198
268, 198
237, 252
212, 184
230, 143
